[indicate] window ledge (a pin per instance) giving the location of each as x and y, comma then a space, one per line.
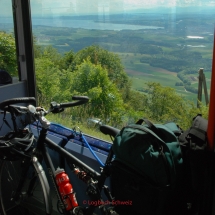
14, 90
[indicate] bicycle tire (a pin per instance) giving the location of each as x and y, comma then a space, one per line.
28, 204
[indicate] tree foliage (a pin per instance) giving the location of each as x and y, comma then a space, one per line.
88, 73
105, 100
52, 54
8, 60
108, 60
164, 104
53, 84
67, 59
99, 74
37, 48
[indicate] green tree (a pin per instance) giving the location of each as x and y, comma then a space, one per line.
105, 100
109, 61
37, 48
164, 104
53, 84
179, 84
46, 80
136, 100
51, 53
67, 59
8, 59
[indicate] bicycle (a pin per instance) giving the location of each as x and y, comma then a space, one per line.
24, 187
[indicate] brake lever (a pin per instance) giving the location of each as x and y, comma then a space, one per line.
55, 108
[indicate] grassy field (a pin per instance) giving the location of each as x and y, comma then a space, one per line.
140, 73
94, 132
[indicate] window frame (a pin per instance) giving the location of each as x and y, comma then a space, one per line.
24, 44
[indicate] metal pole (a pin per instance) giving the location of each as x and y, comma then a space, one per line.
211, 116
199, 98
205, 90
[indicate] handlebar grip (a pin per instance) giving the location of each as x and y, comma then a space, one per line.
80, 100
106, 129
16, 101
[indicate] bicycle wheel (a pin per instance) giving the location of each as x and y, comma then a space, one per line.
28, 203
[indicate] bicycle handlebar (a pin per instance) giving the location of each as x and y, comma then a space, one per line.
12, 101
79, 101
108, 130
54, 107
57, 108
38, 113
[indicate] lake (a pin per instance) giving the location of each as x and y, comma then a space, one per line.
88, 24
85, 24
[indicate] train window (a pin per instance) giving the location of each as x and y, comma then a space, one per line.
132, 58
8, 61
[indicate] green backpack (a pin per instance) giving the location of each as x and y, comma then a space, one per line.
152, 150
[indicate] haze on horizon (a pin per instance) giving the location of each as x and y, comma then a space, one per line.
81, 7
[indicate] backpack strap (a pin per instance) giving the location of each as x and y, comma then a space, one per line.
152, 127
174, 128
5, 121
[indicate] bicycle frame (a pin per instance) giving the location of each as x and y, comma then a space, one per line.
41, 153
95, 181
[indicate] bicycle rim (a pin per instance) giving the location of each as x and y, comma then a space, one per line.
28, 203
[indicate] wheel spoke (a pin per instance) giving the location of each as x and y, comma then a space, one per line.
15, 171
10, 173
11, 208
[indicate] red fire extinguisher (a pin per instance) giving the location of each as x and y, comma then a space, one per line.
65, 189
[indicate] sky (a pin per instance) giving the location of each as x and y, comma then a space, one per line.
112, 6
78, 7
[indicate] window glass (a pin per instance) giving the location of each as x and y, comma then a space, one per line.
8, 62
132, 58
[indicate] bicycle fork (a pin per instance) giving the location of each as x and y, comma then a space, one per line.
44, 183
18, 195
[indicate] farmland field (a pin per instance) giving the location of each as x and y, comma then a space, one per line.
155, 55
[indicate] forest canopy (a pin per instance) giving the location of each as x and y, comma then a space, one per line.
99, 74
